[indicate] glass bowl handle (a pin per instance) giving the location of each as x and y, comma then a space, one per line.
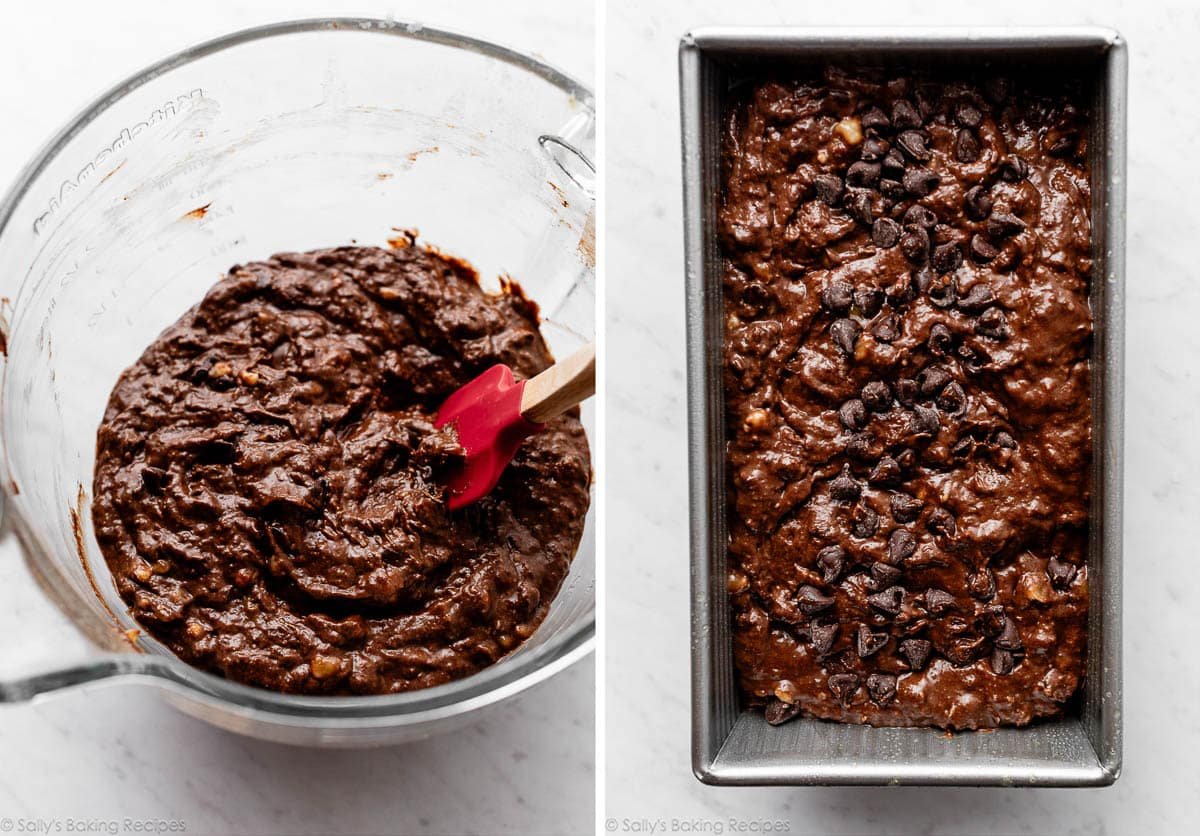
568, 148
48, 640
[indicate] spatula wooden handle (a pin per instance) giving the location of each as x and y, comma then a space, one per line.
561, 386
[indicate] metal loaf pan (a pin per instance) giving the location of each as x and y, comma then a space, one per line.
731, 745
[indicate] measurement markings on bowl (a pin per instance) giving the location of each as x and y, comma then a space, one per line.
180, 104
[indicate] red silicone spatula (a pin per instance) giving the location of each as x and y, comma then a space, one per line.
495, 412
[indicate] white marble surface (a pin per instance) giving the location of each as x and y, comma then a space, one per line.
110, 753
647, 712
118, 751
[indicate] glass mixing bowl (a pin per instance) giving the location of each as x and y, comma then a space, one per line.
287, 137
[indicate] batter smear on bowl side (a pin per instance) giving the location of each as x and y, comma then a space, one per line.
906, 267
269, 486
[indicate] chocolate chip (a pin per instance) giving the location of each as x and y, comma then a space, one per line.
966, 146
914, 243
884, 575
997, 89
888, 329
928, 97
963, 652
865, 523
1061, 573
913, 143
881, 687
831, 560
947, 258
982, 250
892, 189
811, 600
885, 472
873, 148
920, 182
905, 390
972, 360
829, 188
1013, 169
943, 234
858, 446
757, 296
844, 686
920, 216
989, 623
977, 203
963, 447
1010, 637
1003, 662
982, 585
868, 300
901, 546
845, 334
867, 643
943, 293
863, 174
940, 340
890, 601
1003, 225
892, 166
904, 115
978, 297
952, 399
853, 414
905, 509
858, 206
216, 451
876, 396
874, 119
1059, 143
942, 522
844, 487
916, 652
885, 233
778, 712
992, 323
924, 421
967, 115
198, 373
822, 637
837, 296
154, 479
939, 601
933, 379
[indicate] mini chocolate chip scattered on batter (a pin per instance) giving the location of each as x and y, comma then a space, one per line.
268, 490
907, 358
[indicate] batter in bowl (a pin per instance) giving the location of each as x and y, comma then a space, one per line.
269, 483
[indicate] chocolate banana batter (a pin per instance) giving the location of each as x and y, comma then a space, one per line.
268, 485
906, 272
